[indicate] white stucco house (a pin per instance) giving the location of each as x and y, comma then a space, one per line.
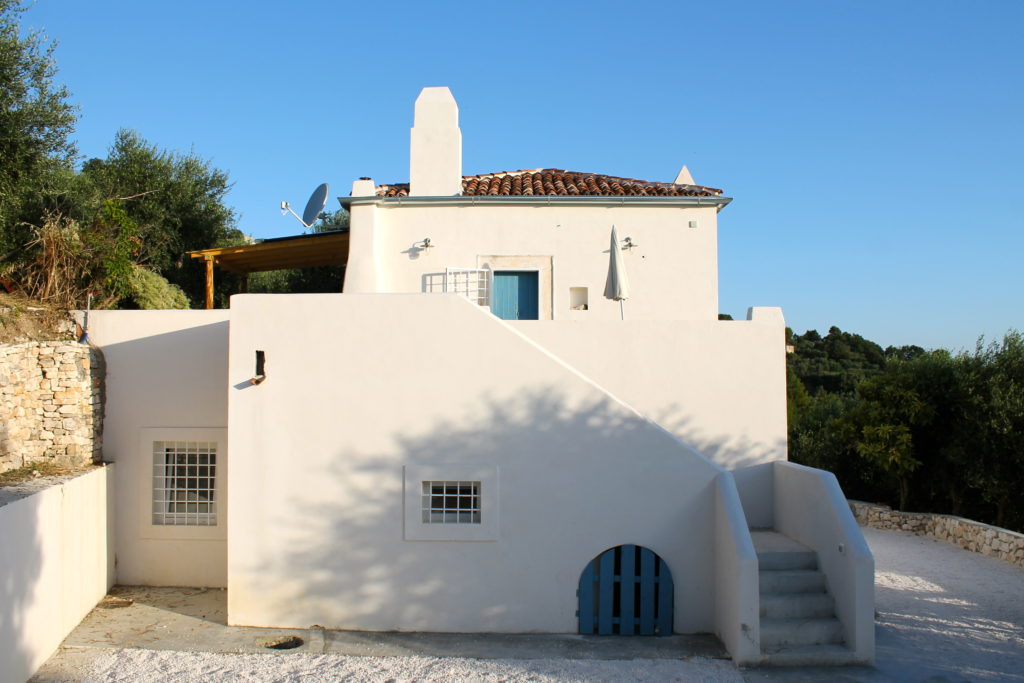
471, 438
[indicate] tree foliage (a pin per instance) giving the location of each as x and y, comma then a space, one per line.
36, 122
67, 233
150, 291
68, 260
177, 200
835, 363
925, 430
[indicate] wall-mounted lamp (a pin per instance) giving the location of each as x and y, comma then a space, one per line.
261, 368
425, 243
628, 243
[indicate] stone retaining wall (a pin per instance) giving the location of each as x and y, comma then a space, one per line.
51, 404
968, 534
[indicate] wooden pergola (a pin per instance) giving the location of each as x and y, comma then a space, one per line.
299, 251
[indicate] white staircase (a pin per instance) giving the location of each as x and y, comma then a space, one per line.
798, 620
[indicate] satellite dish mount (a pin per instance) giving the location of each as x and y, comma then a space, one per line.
317, 202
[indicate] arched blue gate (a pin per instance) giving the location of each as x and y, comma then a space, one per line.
626, 590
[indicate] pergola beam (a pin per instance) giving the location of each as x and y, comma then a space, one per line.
209, 282
300, 251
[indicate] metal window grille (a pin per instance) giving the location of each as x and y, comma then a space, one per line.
472, 283
451, 502
184, 483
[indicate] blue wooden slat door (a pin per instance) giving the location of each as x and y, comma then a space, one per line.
647, 602
586, 595
514, 296
626, 590
606, 592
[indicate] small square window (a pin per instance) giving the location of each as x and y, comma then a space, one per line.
451, 502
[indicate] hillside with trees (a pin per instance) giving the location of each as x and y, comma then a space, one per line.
117, 227
919, 430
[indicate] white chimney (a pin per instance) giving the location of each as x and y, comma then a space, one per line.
435, 149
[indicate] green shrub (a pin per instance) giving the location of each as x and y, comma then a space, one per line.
150, 291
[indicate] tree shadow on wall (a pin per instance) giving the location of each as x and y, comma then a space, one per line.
552, 453
729, 451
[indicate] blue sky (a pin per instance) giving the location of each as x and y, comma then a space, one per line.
874, 150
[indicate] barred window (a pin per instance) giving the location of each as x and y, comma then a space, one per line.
451, 502
184, 483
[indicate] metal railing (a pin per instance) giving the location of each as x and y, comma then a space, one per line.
472, 283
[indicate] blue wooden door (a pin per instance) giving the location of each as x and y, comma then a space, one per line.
626, 590
515, 295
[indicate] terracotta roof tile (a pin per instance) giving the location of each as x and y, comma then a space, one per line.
555, 182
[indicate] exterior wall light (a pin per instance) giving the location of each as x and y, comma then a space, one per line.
426, 243
261, 368
628, 243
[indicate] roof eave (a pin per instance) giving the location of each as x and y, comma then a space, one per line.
542, 200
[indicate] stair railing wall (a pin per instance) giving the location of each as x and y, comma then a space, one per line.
809, 507
737, 596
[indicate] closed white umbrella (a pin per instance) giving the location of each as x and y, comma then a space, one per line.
616, 287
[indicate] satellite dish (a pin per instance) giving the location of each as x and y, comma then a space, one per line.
317, 202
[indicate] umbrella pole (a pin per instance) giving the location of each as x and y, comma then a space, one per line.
622, 311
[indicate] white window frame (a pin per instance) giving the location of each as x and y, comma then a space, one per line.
418, 530
147, 437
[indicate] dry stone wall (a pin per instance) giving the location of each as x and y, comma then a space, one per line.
968, 534
51, 404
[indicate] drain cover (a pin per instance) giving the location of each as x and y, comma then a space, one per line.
111, 602
281, 643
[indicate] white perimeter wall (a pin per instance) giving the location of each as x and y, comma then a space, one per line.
673, 272
360, 386
165, 369
720, 386
56, 563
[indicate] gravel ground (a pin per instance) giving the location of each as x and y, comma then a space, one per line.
149, 665
944, 615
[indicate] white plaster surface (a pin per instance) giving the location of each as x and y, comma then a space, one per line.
56, 563
720, 386
360, 386
164, 369
737, 598
673, 270
435, 145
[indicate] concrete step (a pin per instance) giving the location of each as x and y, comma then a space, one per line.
797, 605
791, 581
811, 655
787, 560
779, 633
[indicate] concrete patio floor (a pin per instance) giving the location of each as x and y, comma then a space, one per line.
943, 614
